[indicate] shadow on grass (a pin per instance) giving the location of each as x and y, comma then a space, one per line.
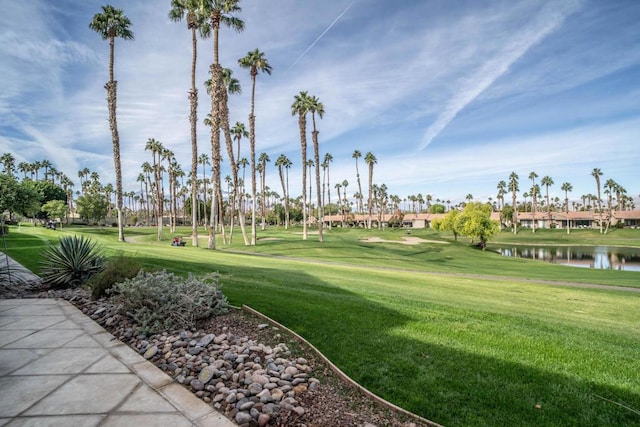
442, 383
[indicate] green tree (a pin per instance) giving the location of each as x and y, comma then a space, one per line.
256, 62
370, 160
300, 107
221, 12
283, 163
596, 173
92, 207
112, 23
356, 155
197, 24
263, 159
475, 222
547, 181
513, 187
437, 208
448, 223
55, 209
316, 107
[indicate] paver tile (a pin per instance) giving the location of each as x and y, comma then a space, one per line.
12, 359
34, 322
87, 394
108, 365
173, 420
63, 361
19, 393
11, 335
144, 399
46, 339
59, 421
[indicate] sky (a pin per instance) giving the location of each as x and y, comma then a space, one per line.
451, 96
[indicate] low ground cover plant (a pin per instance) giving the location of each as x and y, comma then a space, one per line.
160, 301
117, 270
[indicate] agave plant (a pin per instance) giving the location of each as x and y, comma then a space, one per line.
72, 262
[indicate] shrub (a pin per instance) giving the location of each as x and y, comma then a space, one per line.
116, 270
71, 263
160, 301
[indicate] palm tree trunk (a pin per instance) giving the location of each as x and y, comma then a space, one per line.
111, 88
303, 142
193, 119
316, 157
252, 145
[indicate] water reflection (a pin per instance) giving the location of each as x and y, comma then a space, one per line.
602, 257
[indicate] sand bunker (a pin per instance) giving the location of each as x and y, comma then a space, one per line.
405, 240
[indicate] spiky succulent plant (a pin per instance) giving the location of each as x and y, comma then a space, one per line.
72, 262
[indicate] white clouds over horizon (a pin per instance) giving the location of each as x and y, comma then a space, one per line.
447, 97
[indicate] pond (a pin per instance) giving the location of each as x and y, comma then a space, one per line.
602, 257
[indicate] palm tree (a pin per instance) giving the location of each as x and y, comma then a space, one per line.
196, 23
300, 107
156, 149
566, 187
370, 160
220, 13
203, 159
340, 211
24, 168
356, 155
263, 159
469, 197
513, 187
112, 23
308, 202
547, 181
316, 107
46, 164
255, 62
597, 173
239, 131
283, 163
328, 158
534, 199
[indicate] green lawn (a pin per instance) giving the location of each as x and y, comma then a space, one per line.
457, 335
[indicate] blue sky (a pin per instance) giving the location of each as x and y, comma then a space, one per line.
451, 96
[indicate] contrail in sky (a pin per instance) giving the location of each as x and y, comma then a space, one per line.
320, 36
494, 69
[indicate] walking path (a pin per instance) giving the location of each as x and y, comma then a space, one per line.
59, 368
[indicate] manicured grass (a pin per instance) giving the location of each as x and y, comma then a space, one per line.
457, 349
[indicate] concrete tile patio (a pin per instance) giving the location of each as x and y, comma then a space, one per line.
59, 368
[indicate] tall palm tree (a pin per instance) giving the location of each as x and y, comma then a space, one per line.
239, 131
203, 160
112, 23
156, 149
328, 158
513, 187
597, 173
356, 155
283, 163
230, 85
197, 24
221, 12
370, 160
566, 187
340, 211
534, 199
46, 164
547, 181
263, 159
309, 201
316, 107
256, 62
300, 107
